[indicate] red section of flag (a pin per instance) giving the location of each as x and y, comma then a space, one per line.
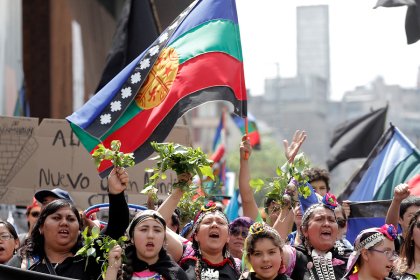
414, 185
218, 154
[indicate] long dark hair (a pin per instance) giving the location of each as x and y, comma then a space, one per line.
408, 248
34, 246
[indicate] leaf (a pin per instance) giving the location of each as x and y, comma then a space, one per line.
95, 232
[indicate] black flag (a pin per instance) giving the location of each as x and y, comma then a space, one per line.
356, 138
136, 30
13, 273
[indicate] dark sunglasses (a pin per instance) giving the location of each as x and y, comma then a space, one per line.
341, 222
237, 232
35, 214
418, 224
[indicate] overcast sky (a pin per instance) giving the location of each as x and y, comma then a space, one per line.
364, 43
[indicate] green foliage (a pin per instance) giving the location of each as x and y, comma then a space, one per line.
118, 159
189, 205
94, 241
180, 159
279, 187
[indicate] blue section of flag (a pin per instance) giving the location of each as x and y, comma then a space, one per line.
205, 11
232, 210
394, 152
356, 225
217, 135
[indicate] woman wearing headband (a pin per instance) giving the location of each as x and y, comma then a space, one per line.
408, 267
146, 254
208, 257
373, 255
320, 255
263, 249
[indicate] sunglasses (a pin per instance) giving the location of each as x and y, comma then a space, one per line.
237, 232
341, 222
35, 214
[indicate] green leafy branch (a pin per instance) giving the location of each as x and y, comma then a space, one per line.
180, 159
95, 241
280, 187
190, 204
118, 159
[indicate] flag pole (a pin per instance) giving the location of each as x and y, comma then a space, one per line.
246, 156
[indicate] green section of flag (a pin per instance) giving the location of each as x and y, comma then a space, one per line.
404, 171
212, 36
88, 141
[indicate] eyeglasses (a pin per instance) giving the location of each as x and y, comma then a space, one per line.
237, 232
341, 222
6, 236
35, 214
391, 255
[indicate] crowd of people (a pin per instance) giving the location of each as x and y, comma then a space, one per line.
303, 240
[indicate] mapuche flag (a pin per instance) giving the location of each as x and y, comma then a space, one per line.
253, 133
198, 58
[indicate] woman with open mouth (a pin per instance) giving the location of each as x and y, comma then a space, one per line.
320, 255
374, 254
146, 254
56, 237
9, 241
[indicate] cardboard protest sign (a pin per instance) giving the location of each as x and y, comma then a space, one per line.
49, 155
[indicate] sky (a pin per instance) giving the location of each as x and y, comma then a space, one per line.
364, 43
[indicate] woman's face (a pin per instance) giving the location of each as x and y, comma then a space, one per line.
266, 259
212, 234
322, 229
7, 244
416, 234
342, 226
379, 260
33, 216
148, 238
60, 230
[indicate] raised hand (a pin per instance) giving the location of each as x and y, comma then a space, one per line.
401, 192
245, 148
118, 180
292, 150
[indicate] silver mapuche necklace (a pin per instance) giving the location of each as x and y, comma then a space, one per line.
323, 266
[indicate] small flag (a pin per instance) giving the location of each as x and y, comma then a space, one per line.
253, 133
197, 59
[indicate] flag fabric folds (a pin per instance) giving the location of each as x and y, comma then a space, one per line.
253, 133
356, 138
198, 58
394, 160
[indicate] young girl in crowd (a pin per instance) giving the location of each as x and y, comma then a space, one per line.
409, 264
146, 255
374, 254
263, 248
9, 241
